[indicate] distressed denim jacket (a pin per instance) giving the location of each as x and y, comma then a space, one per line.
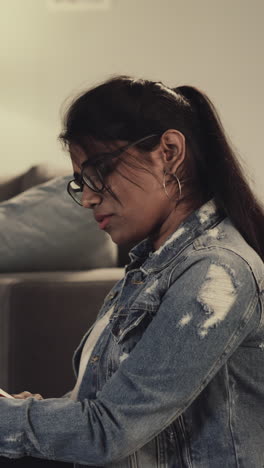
176, 380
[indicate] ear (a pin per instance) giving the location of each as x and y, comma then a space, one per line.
173, 147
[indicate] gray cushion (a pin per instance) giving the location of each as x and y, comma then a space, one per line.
9, 187
12, 186
39, 174
43, 229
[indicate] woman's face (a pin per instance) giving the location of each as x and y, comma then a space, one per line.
142, 208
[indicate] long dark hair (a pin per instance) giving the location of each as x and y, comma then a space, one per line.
128, 109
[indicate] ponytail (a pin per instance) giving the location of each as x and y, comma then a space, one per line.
220, 172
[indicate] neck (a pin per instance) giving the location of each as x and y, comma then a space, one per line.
175, 218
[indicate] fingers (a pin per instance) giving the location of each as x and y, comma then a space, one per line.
37, 396
22, 395
25, 394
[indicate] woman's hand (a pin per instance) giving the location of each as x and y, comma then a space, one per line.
24, 395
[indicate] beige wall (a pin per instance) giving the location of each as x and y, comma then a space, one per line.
46, 56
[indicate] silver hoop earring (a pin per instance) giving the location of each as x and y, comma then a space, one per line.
165, 173
164, 184
179, 185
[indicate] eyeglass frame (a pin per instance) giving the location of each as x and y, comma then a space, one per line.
93, 162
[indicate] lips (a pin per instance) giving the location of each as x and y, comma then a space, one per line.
103, 220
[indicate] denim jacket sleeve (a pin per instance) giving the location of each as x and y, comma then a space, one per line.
207, 311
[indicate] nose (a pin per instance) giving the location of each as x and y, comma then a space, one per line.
90, 198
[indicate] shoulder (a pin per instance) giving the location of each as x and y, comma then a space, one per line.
224, 245
215, 280
218, 264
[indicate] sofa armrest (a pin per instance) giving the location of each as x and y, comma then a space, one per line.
42, 319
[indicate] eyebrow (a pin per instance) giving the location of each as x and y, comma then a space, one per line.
101, 157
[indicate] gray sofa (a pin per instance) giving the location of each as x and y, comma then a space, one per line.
43, 314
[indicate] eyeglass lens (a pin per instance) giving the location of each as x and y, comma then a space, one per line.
94, 175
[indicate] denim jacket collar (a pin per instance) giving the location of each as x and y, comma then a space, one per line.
143, 256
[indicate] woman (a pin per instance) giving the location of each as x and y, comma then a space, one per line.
172, 373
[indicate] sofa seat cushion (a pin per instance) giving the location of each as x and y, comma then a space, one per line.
42, 320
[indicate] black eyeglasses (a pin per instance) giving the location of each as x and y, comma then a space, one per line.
95, 170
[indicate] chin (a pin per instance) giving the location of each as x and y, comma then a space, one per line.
124, 238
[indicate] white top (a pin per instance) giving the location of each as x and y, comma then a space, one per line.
88, 348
